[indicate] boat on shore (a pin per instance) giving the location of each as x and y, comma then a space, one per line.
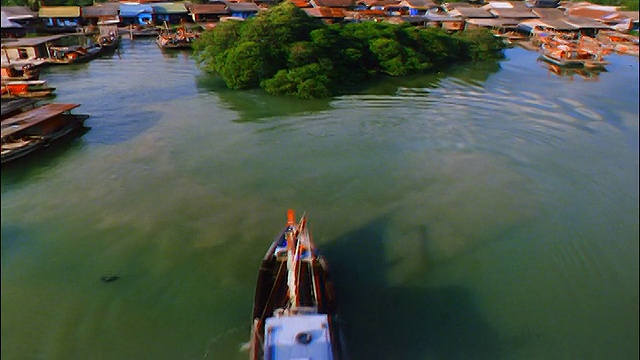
34, 129
294, 312
26, 89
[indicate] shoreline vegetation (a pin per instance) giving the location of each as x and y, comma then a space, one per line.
285, 52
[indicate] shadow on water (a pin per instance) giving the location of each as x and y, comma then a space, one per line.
383, 321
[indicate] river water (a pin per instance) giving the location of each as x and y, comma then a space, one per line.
486, 212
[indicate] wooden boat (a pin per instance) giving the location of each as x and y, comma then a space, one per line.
180, 39
294, 313
26, 72
11, 107
109, 43
34, 129
567, 55
73, 54
26, 88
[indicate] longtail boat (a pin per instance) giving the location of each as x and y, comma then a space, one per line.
294, 314
33, 129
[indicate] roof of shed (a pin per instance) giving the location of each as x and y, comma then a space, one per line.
25, 42
19, 12
59, 11
100, 9
332, 3
471, 12
217, 8
169, 8
325, 12
243, 7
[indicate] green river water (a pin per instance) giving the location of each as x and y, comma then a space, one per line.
486, 212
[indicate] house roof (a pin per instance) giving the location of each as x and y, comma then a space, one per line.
7, 23
19, 12
169, 8
59, 11
100, 10
325, 12
332, 3
556, 24
548, 13
420, 4
34, 41
514, 13
585, 23
215, 8
132, 10
243, 7
492, 22
471, 12
300, 3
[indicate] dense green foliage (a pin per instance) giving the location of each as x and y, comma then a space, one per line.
284, 51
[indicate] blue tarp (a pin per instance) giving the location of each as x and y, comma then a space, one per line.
134, 10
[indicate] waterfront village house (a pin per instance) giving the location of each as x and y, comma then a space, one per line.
20, 20
326, 14
101, 14
410, 7
208, 13
516, 10
241, 10
344, 4
10, 28
169, 12
136, 14
29, 50
60, 18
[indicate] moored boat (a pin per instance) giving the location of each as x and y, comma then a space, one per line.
26, 72
178, 39
33, 129
294, 312
26, 89
569, 55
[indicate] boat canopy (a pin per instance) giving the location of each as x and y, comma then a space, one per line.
33, 117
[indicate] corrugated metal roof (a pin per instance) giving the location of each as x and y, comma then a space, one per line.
332, 3
514, 13
492, 22
585, 23
325, 12
100, 10
421, 4
26, 42
19, 12
59, 12
168, 8
8, 24
208, 8
471, 12
132, 10
243, 7
548, 13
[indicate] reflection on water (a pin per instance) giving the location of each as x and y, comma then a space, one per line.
487, 211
